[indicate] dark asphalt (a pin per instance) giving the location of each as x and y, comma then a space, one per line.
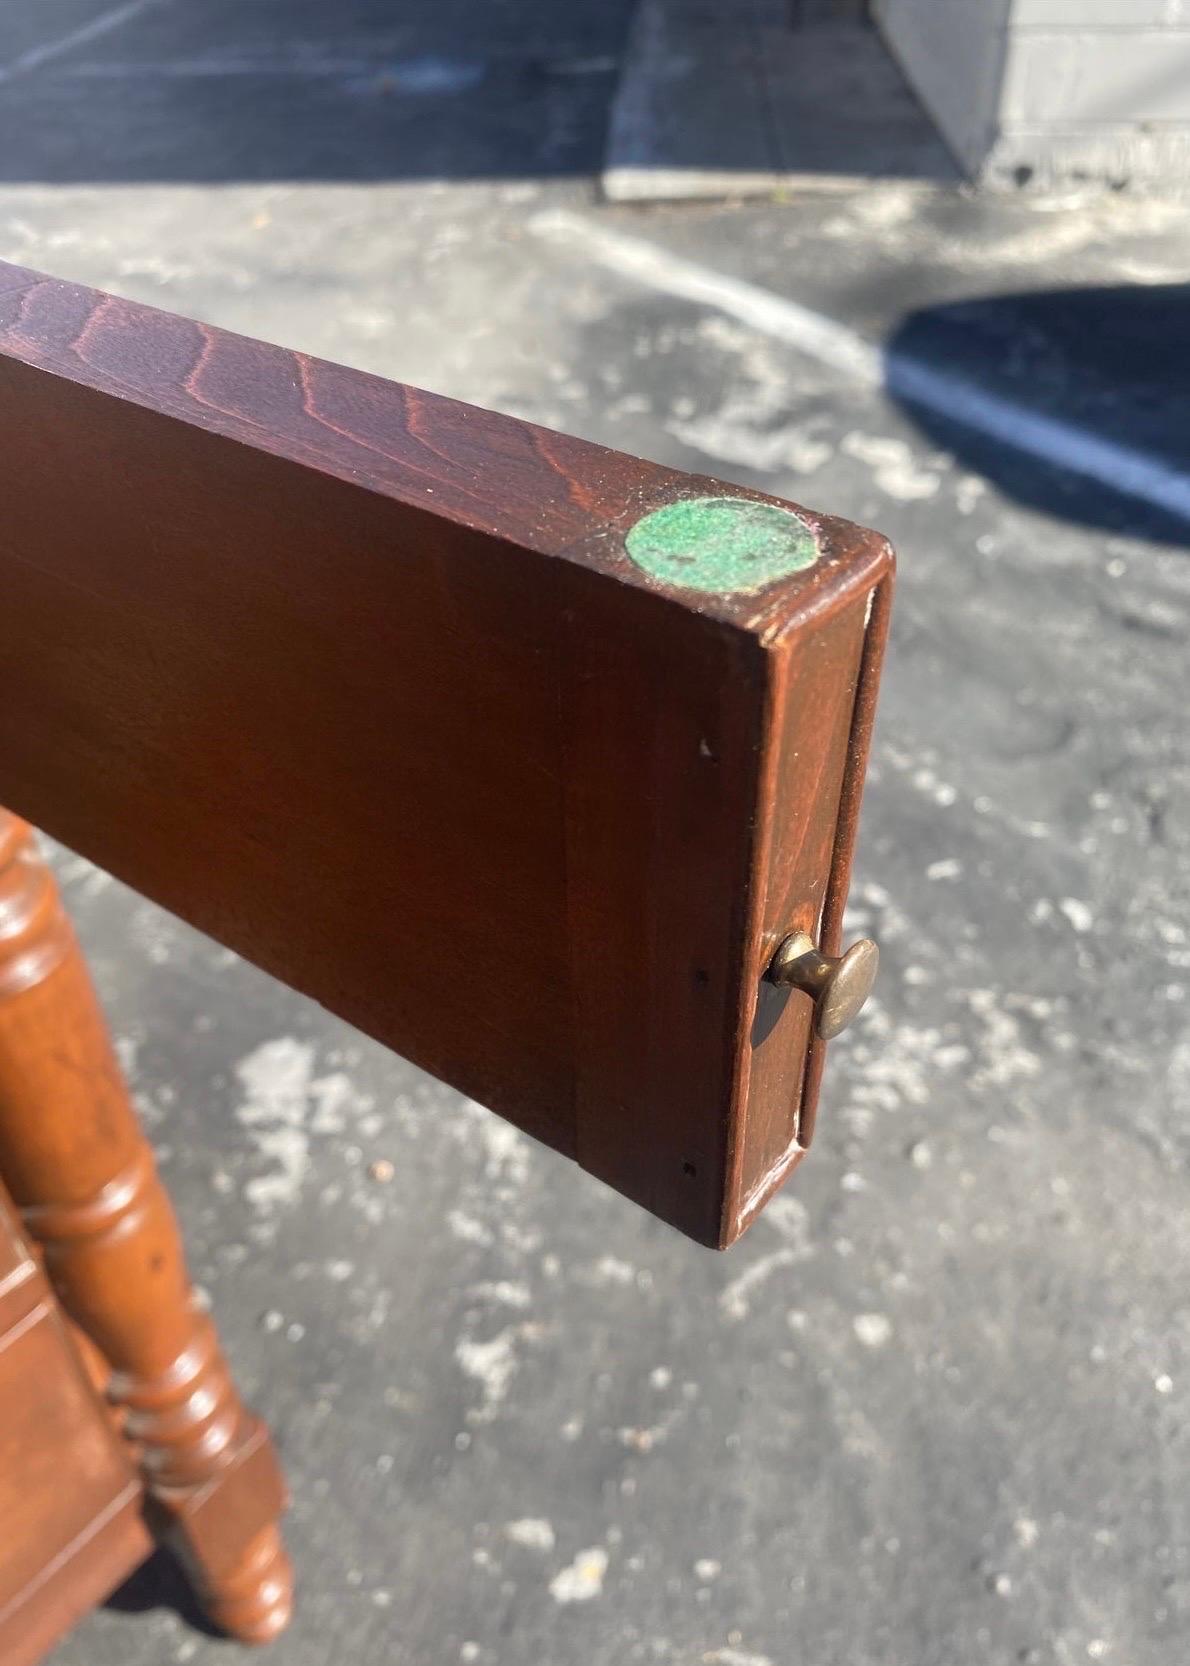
934, 1409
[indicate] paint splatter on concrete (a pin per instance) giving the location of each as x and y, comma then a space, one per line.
276, 1078
735, 1300
492, 1365
895, 466
1080, 914
583, 1579
531, 1532
873, 1329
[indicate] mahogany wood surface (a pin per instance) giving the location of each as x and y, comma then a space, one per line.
74, 1158
362, 682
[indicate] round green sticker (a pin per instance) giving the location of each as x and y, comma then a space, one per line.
720, 544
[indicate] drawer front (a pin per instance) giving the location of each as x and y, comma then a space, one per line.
514, 752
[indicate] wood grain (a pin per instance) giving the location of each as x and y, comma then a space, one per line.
361, 682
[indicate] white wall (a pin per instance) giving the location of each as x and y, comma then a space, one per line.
1046, 91
952, 52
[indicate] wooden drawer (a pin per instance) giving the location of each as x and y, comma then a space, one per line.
519, 754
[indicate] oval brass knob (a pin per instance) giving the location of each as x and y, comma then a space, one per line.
838, 984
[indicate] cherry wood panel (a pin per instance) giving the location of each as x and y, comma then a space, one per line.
362, 682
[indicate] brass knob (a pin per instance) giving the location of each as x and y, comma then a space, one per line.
838, 984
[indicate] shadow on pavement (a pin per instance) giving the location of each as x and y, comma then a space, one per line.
1104, 371
161, 1583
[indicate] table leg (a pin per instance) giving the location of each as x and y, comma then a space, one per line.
74, 1156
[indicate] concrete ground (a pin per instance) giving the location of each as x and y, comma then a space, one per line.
762, 96
936, 1407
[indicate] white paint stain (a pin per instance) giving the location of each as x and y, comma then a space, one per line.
509, 1292
894, 467
736, 433
898, 1067
609, 1269
276, 1079
492, 1364
948, 868
1004, 1058
873, 1329
735, 1299
789, 1218
126, 1050
583, 1579
332, 1095
532, 1532
1078, 913
468, 1229
943, 794
506, 1150
642, 1440
752, 424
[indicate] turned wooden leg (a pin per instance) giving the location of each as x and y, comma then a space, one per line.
74, 1157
